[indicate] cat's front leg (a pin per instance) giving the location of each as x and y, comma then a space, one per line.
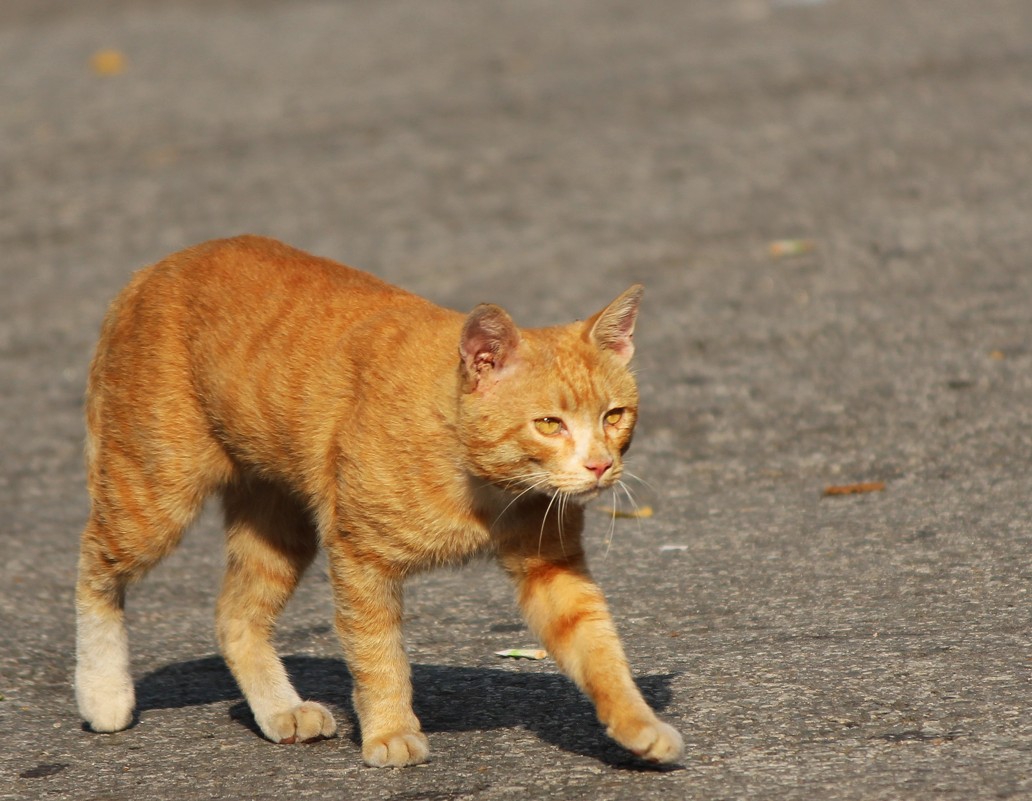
368, 597
568, 612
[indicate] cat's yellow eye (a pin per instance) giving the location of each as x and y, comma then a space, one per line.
613, 416
549, 426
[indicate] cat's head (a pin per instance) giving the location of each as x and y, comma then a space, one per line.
549, 408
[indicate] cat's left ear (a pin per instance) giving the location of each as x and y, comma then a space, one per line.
613, 328
489, 340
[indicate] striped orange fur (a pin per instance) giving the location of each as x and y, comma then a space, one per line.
327, 407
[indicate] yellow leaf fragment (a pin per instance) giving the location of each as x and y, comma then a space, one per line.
641, 511
108, 62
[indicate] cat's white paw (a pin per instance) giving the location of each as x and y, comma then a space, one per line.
103, 685
105, 703
396, 750
305, 723
652, 740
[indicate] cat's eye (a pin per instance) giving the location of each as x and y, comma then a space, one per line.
613, 416
549, 426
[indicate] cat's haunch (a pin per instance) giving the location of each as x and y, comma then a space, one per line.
327, 407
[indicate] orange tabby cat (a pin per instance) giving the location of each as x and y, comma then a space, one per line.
326, 406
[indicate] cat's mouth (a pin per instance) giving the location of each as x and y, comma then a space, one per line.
568, 488
583, 493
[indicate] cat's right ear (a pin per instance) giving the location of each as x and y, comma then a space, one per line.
612, 328
489, 340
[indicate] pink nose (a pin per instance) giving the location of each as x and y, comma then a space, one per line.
599, 466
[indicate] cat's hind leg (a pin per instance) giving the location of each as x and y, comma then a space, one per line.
103, 684
270, 543
135, 519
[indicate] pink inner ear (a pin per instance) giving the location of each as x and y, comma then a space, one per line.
488, 338
483, 360
613, 327
623, 346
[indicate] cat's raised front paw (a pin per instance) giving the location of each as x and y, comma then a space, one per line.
305, 723
652, 740
396, 750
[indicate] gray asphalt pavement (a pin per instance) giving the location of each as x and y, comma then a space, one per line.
546, 155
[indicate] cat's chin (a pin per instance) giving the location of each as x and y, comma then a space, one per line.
581, 497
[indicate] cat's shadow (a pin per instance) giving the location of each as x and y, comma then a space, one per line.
447, 699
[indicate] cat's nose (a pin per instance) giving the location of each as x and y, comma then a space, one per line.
599, 466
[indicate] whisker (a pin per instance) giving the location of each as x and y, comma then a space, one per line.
612, 524
509, 482
544, 519
639, 479
628, 493
561, 511
634, 503
533, 486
